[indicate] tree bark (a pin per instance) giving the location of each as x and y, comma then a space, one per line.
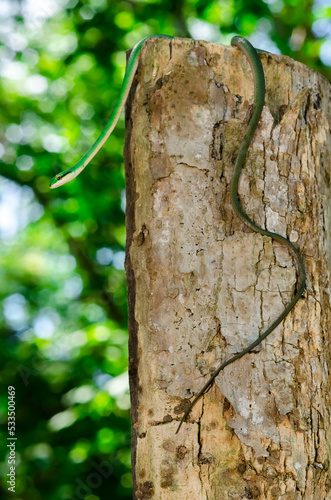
202, 285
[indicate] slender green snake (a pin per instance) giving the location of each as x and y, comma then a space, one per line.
259, 94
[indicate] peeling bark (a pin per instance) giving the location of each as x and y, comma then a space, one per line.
202, 285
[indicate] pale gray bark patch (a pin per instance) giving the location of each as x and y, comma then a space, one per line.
206, 285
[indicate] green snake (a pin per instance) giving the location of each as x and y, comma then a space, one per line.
259, 94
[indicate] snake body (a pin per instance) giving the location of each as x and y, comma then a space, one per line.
259, 95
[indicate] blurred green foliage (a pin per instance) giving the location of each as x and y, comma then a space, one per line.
63, 315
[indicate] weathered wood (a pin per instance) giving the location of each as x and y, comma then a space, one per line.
202, 285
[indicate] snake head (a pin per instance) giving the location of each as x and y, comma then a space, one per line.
63, 178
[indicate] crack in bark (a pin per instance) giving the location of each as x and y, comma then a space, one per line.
200, 441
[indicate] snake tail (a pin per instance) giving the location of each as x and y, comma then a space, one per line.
259, 95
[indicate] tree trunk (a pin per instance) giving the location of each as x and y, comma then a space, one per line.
202, 285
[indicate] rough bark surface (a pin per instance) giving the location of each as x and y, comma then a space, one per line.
202, 285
